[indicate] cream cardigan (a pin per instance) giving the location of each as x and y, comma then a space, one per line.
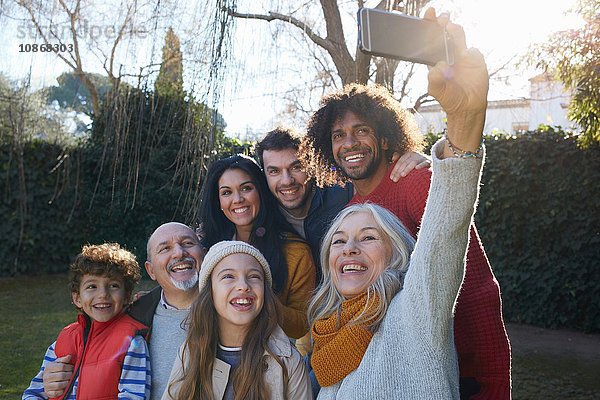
298, 383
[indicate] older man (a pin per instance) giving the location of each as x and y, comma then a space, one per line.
174, 258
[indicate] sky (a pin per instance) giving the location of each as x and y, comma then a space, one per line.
500, 29
252, 97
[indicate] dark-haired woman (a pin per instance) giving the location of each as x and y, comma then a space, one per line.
237, 204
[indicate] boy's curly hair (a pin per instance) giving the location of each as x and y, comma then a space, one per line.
108, 259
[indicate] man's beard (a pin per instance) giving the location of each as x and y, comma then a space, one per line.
187, 284
365, 173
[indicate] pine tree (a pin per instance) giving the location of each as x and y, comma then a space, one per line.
170, 77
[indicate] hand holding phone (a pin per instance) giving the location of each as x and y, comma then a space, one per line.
394, 35
461, 89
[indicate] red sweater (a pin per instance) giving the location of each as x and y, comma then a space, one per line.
479, 334
99, 356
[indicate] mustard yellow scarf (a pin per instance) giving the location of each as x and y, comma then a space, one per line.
339, 345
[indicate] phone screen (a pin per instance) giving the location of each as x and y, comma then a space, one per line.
394, 35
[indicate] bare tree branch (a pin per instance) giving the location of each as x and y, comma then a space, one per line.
274, 16
73, 18
72, 10
128, 17
406, 80
334, 43
75, 61
423, 99
349, 67
503, 66
344, 63
36, 23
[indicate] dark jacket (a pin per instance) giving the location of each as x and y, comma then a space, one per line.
326, 204
143, 309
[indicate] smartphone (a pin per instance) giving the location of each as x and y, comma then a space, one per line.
393, 35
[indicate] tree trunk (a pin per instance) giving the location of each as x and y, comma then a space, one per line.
344, 63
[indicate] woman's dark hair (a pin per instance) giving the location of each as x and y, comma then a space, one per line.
269, 228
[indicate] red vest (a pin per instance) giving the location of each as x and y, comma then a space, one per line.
99, 357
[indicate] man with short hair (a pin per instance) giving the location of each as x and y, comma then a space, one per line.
355, 131
308, 208
174, 256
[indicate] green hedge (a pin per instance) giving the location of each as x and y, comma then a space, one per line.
38, 226
140, 168
539, 220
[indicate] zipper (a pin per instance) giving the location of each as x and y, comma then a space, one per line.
86, 333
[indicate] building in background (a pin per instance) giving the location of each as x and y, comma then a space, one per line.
547, 104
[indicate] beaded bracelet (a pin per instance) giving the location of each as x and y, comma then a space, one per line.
478, 153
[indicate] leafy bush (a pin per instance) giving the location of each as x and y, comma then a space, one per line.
142, 167
539, 220
38, 226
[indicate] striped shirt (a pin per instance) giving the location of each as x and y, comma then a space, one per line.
134, 383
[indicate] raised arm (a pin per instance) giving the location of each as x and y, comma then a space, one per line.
461, 90
437, 263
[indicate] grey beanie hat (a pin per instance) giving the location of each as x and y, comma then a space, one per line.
220, 250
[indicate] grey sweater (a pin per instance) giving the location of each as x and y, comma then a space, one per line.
412, 356
167, 337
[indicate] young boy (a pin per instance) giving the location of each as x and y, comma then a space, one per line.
106, 346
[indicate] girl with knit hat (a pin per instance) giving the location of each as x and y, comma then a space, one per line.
235, 348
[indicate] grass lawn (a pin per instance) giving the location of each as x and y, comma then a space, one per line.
542, 376
33, 311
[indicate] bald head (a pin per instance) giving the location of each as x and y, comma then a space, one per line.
165, 230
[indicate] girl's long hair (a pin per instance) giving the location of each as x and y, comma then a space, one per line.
269, 228
328, 300
200, 351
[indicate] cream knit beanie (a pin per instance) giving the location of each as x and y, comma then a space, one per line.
220, 250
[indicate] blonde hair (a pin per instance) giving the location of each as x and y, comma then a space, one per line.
327, 299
